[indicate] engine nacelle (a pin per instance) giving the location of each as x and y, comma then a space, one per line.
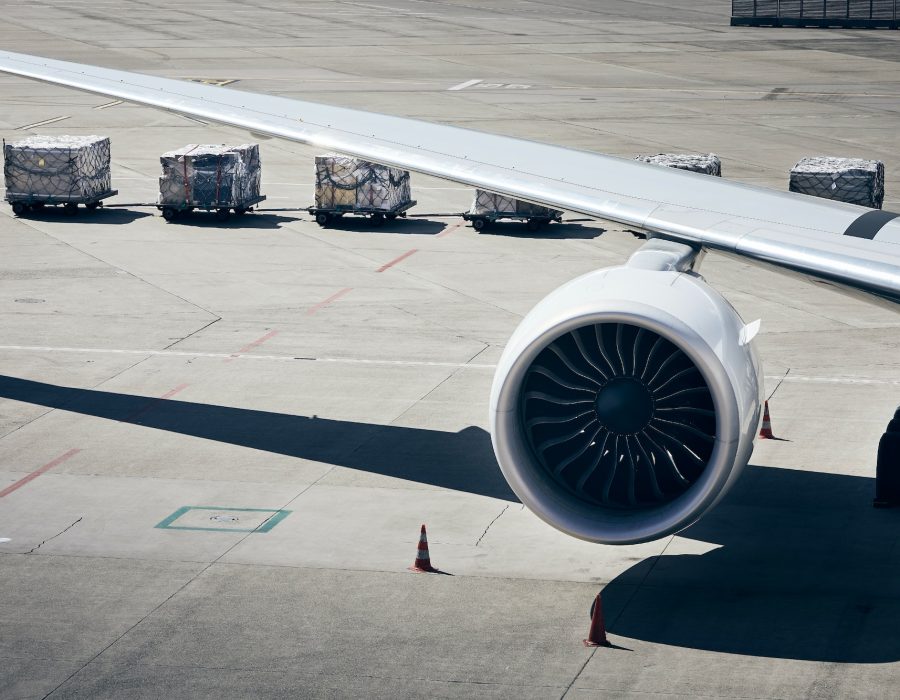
626, 404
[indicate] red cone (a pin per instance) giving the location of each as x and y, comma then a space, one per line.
766, 430
597, 633
422, 564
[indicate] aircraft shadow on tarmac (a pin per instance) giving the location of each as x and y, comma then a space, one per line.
804, 568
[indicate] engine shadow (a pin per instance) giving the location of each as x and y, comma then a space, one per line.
806, 570
463, 461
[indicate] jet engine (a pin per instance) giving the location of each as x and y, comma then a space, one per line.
626, 402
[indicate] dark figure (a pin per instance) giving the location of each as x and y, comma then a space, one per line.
887, 471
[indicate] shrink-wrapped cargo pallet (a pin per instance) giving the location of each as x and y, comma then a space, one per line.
210, 176
851, 180
68, 170
487, 207
347, 185
705, 163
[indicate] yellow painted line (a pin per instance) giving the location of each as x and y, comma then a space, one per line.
43, 123
109, 104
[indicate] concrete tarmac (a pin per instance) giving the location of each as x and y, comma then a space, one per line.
168, 388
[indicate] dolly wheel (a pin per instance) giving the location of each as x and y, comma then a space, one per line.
18, 208
36, 206
322, 219
71, 208
534, 224
391, 217
169, 213
479, 224
240, 211
92, 206
377, 219
222, 214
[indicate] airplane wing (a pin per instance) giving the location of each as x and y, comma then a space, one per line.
843, 245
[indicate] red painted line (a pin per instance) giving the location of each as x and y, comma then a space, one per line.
37, 472
396, 260
256, 343
152, 402
448, 230
334, 297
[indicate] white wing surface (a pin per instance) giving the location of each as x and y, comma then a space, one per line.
848, 246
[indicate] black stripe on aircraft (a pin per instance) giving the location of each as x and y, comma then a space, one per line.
869, 224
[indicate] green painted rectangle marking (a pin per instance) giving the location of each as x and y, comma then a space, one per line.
270, 522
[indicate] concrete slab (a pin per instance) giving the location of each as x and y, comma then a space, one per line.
270, 364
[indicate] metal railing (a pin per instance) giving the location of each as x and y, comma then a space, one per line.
816, 13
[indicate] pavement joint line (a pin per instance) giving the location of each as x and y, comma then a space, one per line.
333, 298
255, 344
110, 104
224, 355
812, 379
399, 258
40, 470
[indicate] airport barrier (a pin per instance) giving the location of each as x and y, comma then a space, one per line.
815, 13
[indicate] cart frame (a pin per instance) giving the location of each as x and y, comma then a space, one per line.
170, 212
23, 203
326, 215
481, 221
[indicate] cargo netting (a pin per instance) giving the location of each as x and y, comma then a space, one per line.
491, 204
705, 163
210, 176
349, 184
57, 168
851, 180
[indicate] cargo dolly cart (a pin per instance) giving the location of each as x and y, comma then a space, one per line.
534, 223
23, 203
488, 207
218, 178
171, 211
326, 215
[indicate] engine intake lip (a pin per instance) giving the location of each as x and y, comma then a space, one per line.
582, 518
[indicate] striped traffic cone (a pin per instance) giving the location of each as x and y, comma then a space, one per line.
597, 633
422, 564
766, 430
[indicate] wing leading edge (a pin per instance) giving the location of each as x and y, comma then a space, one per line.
851, 247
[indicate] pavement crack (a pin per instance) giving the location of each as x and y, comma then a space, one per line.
491, 523
64, 530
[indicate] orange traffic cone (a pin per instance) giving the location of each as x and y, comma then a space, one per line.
766, 430
422, 564
597, 633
